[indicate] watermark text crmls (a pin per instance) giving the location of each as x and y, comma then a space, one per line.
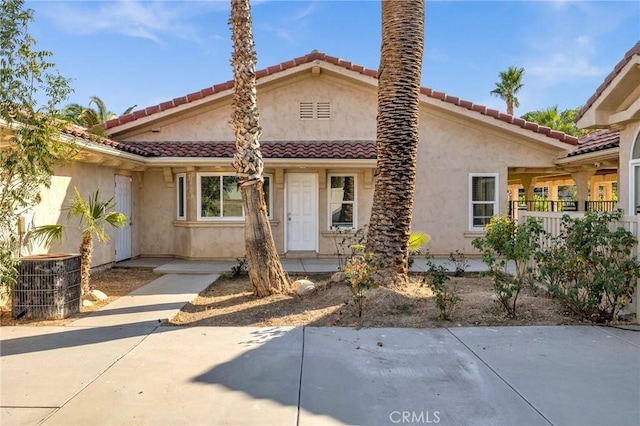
414, 417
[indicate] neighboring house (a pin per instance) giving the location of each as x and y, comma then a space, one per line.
169, 166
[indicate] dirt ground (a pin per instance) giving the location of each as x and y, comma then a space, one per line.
230, 302
115, 282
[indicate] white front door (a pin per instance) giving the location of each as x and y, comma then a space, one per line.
302, 212
123, 205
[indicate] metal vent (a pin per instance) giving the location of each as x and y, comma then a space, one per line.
306, 110
323, 110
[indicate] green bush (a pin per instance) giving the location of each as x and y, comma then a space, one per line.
590, 267
359, 274
436, 279
506, 241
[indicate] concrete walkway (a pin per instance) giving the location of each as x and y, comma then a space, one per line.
119, 366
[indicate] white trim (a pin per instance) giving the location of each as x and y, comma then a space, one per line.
199, 199
633, 164
495, 203
354, 203
221, 218
286, 208
183, 186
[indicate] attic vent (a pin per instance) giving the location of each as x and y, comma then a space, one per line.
306, 110
323, 111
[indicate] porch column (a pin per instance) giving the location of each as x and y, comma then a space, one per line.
608, 191
529, 183
582, 186
553, 191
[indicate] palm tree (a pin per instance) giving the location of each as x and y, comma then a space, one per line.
93, 215
90, 117
550, 118
265, 269
397, 135
510, 83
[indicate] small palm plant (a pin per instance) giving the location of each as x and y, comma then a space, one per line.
93, 215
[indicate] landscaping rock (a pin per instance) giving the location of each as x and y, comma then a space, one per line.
96, 295
304, 287
87, 303
338, 277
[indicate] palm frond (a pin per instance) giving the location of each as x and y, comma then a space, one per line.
417, 240
46, 234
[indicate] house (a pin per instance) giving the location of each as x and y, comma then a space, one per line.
169, 165
615, 107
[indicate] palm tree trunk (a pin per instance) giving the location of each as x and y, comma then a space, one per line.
397, 135
265, 270
86, 252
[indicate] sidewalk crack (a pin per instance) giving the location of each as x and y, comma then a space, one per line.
304, 330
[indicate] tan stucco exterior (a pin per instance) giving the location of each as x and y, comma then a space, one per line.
454, 143
87, 178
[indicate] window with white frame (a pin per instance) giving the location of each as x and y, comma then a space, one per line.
219, 197
343, 208
483, 199
181, 196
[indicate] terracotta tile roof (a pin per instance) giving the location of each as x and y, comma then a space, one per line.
271, 149
83, 133
635, 50
315, 55
596, 141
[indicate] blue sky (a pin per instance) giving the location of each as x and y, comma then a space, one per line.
145, 52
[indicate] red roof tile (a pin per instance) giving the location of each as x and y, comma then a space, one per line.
635, 50
363, 150
596, 141
315, 55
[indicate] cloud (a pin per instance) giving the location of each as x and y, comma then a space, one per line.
152, 20
566, 60
290, 24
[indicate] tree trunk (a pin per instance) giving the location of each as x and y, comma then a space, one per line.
86, 252
265, 270
397, 135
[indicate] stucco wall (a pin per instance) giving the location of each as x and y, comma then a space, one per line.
627, 139
352, 111
87, 178
450, 149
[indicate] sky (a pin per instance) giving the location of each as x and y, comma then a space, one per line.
130, 52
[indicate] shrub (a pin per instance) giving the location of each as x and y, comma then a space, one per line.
459, 262
241, 267
345, 240
506, 241
360, 273
436, 279
589, 266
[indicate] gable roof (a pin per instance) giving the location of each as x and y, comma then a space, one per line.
596, 141
635, 50
319, 56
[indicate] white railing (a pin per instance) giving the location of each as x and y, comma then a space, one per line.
551, 223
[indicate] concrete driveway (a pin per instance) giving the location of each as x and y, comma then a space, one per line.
120, 366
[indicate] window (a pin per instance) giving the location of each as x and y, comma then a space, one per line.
342, 202
181, 196
220, 198
483, 199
